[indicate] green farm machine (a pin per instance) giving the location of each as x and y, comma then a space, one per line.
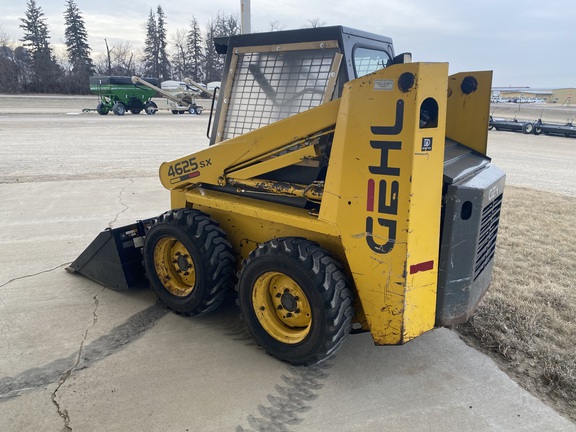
119, 94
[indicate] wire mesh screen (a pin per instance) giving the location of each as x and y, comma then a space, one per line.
271, 86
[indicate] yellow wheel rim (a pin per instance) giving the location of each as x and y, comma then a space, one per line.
282, 307
174, 266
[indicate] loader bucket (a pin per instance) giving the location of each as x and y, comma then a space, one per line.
114, 258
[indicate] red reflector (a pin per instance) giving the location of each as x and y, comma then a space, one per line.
370, 196
423, 266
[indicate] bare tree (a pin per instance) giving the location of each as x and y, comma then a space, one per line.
121, 59
4, 38
179, 53
276, 26
315, 22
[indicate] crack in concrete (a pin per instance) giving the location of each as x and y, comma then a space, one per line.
121, 203
63, 413
116, 340
35, 274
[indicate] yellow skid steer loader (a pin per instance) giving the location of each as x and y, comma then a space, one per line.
345, 189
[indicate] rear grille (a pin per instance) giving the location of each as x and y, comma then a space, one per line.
487, 237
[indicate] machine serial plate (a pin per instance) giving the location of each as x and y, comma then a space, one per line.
384, 85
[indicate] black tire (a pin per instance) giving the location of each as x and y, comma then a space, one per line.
150, 108
192, 110
174, 111
118, 108
199, 110
135, 111
295, 300
188, 261
490, 127
528, 128
102, 109
181, 112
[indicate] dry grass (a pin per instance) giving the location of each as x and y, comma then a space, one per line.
528, 317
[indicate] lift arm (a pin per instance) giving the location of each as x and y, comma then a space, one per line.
253, 153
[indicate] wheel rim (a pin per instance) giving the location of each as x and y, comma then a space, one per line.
174, 267
282, 307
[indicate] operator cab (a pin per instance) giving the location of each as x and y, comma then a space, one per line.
271, 76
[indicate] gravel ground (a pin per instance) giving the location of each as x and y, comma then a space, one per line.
48, 150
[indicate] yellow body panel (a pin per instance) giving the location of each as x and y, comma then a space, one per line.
384, 194
468, 109
380, 207
248, 222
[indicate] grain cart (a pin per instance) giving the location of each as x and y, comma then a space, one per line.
180, 101
345, 189
118, 94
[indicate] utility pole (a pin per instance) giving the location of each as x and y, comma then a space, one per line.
245, 16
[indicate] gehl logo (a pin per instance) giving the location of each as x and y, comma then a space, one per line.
384, 189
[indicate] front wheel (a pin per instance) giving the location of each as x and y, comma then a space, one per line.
102, 109
296, 300
528, 128
188, 261
118, 108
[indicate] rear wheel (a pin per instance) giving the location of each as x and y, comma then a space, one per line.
150, 108
199, 110
296, 300
102, 109
528, 128
135, 111
188, 261
118, 108
174, 111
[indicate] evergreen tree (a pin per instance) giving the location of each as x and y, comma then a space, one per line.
78, 49
156, 59
163, 61
151, 46
46, 74
221, 26
213, 70
195, 52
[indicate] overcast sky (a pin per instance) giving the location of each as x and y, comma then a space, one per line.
525, 42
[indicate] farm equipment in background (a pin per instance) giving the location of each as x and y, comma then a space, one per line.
119, 94
567, 130
344, 189
179, 101
514, 125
